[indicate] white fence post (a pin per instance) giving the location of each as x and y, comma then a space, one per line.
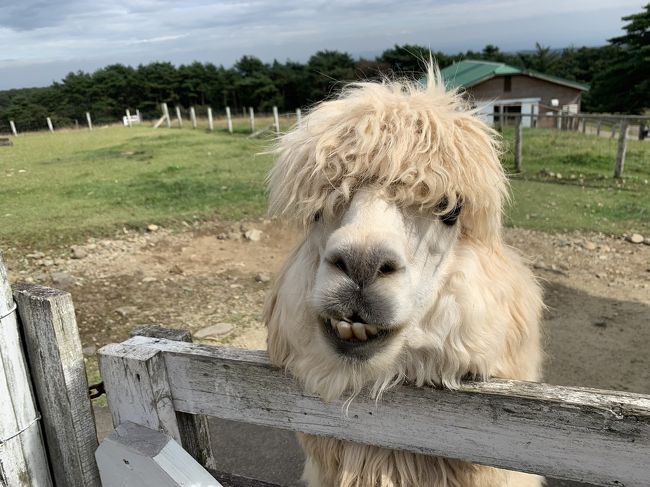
138, 115
276, 120
49, 124
128, 117
178, 116
59, 376
251, 114
210, 120
229, 119
23, 458
89, 120
166, 114
13, 128
298, 116
193, 117
138, 389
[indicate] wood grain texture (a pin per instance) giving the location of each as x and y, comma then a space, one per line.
193, 428
59, 377
587, 435
23, 460
137, 388
137, 456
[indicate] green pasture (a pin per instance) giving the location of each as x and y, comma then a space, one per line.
60, 188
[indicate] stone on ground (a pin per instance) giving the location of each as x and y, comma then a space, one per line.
213, 332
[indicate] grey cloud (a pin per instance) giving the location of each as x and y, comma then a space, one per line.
59, 36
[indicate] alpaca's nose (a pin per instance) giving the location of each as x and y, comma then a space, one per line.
364, 265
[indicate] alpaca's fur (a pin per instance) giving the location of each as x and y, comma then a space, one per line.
413, 147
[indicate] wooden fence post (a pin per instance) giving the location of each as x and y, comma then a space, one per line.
13, 128
613, 130
49, 124
598, 128
193, 428
166, 114
59, 377
518, 142
251, 114
179, 117
23, 459
193, 117
620, 153
128, 117
276, 120
229, 118
584, 125
210, 120
138, 388
89, 120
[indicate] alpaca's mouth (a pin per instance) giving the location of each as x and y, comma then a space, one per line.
353, 337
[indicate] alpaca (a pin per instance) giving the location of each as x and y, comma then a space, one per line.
402, 274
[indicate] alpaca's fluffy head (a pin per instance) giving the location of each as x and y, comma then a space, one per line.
420, 145
391, 182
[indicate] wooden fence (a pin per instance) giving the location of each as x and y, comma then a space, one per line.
573, 122
161, 391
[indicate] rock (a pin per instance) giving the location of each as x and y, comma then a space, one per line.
589, 245
149, 279
124, 311
35, 255
253, 235
600, 324
646, 241
78, 252
63, 279
59, 261
245, 227
234, 236
262, 277
89, 351
213, 332
635, 238
540, 265
47, 262
152, 227
222, 236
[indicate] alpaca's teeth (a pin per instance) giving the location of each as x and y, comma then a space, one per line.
372, 330
359, 330
344, 329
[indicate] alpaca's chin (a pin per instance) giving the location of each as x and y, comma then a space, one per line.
356, 341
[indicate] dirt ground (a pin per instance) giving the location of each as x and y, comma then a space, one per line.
597, 289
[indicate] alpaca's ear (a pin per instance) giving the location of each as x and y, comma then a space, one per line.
285, 310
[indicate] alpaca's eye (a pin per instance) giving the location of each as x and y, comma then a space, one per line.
318, 216
451, 217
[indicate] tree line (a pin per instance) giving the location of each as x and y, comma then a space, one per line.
618, 73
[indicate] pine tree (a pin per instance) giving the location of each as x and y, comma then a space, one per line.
625, 85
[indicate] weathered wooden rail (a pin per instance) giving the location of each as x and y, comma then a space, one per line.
602, 437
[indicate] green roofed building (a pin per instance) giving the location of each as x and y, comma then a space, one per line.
498, 88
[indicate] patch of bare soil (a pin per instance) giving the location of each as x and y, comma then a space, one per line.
597, 289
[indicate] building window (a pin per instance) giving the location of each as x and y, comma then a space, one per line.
507, 83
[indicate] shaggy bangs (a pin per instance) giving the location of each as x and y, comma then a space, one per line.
420, 146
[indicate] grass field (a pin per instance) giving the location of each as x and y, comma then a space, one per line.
60, 188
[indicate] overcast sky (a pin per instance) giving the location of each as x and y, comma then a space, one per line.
43, 40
